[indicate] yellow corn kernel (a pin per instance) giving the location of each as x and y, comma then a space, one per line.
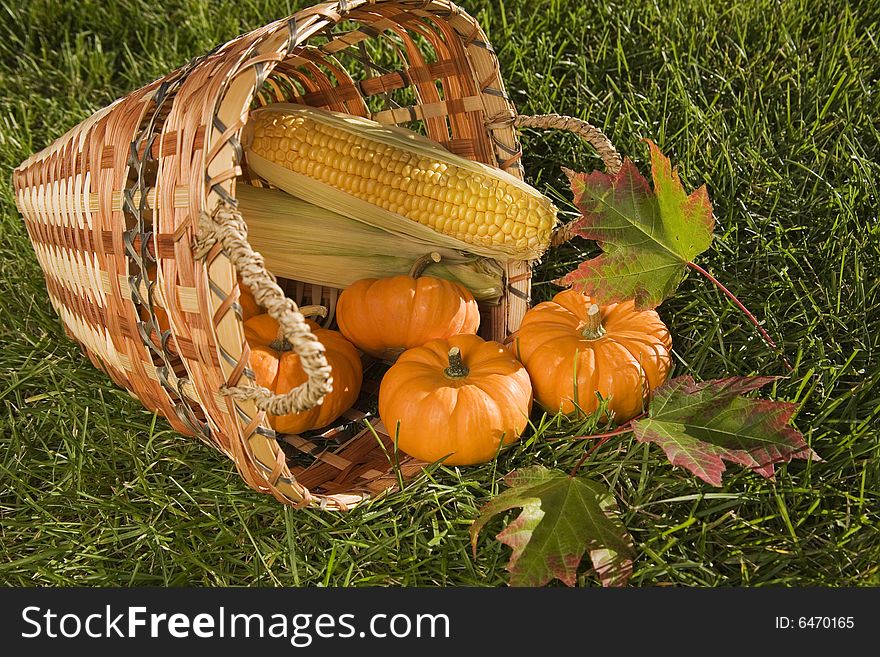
411, 177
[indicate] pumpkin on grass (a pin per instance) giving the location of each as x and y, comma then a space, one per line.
276, 367
460, 398
573, 349
386, 316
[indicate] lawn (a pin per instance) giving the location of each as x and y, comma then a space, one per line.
774, 105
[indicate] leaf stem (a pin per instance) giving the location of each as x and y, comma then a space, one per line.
587, 454
602, 438
730, 295
626, 428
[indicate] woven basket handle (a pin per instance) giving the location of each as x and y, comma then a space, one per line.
228, 227
589, 133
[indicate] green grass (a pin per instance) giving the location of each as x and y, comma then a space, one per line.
774, 105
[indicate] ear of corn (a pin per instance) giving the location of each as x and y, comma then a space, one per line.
398, 180
309, 243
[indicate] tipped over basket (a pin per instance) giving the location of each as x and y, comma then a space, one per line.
132, 215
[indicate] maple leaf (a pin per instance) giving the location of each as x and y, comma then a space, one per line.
701, 425
648, 237
562, 518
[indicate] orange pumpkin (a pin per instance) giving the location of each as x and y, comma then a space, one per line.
386, 316
276, 367
459, 398
249, 307
573, 349
161, 318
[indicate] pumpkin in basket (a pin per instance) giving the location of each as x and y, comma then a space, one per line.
461, 398
573, 349
249, 307
276, 367
386, 316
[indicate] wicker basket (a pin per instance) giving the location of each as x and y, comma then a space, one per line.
121, 211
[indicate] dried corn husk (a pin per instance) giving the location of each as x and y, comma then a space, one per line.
308, 243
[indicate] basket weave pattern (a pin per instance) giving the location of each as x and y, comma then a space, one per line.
114, 206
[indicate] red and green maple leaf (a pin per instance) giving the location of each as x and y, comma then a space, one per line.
701, 425
562, 518
649, 237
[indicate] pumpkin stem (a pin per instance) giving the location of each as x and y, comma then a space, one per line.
457, 369
420, 265
593, 329
311, 311
280, 343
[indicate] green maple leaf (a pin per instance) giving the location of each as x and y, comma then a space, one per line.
648, 237
562, 518
701, 425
